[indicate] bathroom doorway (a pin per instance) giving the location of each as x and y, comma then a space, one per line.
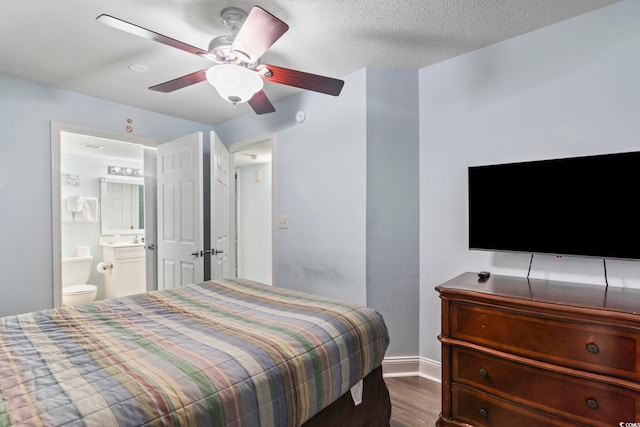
254, 233
88, 161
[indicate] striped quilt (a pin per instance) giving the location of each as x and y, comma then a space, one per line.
219, 353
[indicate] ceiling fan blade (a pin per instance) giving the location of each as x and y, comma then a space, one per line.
303, 80
148, 34
181, 82
259, 31
261, 104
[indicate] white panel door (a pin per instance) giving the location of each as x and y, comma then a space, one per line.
180, 221
221, 244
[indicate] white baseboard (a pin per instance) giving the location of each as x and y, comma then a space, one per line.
412, 366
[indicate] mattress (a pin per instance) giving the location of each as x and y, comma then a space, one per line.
219, 353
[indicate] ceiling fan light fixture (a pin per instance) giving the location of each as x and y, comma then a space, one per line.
234, 83
240, 76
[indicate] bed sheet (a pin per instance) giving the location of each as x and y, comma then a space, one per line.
219, 353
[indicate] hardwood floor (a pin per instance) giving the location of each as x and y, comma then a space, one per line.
415, 401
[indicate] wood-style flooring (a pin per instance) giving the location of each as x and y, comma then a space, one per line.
415, 401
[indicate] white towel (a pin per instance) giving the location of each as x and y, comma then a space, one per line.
89, 212
66, 215
74, 203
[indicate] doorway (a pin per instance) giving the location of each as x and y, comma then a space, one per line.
254, 231
97, 150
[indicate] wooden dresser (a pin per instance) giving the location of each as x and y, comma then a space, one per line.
518, 352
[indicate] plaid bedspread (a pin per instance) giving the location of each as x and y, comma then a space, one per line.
219, 353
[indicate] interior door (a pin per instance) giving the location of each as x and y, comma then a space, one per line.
151, 216
180, 214
222, 247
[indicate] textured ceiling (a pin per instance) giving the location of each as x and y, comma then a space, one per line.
60, 43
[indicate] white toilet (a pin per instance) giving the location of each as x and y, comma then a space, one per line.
75, 274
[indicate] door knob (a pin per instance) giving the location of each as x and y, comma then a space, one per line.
151, 247
216, 251
195, 254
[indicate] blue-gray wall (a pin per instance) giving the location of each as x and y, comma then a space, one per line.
26, 112
393, 205
348, 180
569, 89
320, 184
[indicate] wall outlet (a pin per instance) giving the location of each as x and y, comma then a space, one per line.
283, 221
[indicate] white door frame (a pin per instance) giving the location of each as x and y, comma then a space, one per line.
56, 190
242, 146
151, 217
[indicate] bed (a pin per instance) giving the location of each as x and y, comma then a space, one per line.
218, 353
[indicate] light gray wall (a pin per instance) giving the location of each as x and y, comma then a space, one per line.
566, 90
348, 180
26, 112
393, 204
320, 183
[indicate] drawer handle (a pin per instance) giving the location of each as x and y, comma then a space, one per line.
592, 403
483, 412
593, 348
483, 373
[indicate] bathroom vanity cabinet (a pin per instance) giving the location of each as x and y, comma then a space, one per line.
127, 276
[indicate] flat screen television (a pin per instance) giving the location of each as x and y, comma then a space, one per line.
580, 206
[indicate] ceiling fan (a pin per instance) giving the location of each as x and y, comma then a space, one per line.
238, 76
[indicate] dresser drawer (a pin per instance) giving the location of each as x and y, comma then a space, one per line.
579, 399
576, 344
480, 409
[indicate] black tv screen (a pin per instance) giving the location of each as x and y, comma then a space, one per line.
581, 206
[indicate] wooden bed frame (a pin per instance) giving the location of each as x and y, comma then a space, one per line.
374, 411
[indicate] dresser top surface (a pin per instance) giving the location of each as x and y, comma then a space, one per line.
611, 298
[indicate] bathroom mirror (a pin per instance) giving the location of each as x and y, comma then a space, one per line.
122, 205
